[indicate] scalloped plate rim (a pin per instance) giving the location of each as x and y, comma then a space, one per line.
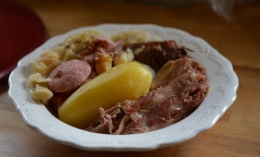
121, 144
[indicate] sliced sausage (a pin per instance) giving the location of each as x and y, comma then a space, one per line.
69, 76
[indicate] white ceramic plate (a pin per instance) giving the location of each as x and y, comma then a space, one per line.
222, 79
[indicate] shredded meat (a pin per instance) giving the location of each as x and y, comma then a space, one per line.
156, 54
97, 45
175, 98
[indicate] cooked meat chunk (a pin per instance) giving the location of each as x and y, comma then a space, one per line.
69, 76
173, 68
156, 54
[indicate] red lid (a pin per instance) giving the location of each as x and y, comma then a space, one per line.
21, 31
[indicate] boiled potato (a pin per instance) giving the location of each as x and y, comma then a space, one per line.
126, 81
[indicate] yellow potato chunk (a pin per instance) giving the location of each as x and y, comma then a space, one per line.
104, 63
124, 82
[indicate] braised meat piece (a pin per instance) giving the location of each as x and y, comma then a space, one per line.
156, 54
173, 68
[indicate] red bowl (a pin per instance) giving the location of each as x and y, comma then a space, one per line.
21, 32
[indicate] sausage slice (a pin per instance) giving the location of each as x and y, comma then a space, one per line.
69, 76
